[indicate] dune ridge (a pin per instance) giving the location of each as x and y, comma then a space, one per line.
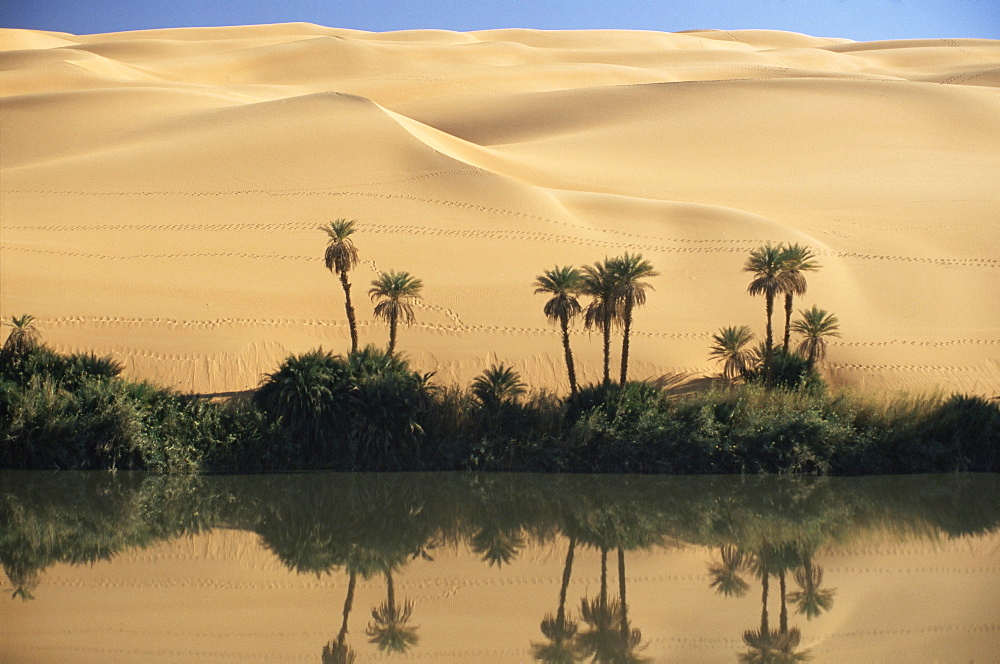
160, 193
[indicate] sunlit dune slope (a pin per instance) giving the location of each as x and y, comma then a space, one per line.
161, 193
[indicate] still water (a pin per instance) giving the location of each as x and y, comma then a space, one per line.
498, 568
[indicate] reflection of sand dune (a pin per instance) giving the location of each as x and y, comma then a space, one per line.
229, 598
161, 191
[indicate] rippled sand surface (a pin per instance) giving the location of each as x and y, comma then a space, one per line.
161, 192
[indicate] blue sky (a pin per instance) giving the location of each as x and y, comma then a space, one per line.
862, 20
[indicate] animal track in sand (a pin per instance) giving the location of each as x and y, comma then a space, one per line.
913, 342
920, 368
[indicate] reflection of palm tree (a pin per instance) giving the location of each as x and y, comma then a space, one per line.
811, 600
338, 652
388, 629
767, 647
557, 629
498, 545
609, 638
726, 577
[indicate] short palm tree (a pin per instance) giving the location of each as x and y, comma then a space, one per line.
630, 291
773, 647
23, 337
342, 257
726, 575
815, 325
812, 599
499, 384
769, 279
388, 629
563, 284
603, 311
797, 259
731, 347
397, 292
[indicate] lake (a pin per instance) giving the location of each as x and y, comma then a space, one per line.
453, 567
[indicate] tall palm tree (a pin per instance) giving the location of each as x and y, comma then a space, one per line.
603, 312
630, 292
563, 284
815, 325
23, 337
731, 348
338, 652
561, 648
797, 259
388, 628
397, 292
342, 257
769, 279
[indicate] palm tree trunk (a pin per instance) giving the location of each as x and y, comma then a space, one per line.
390, 591
604, 581
350, 311
392, 332
567, 571
783, 616
348, 602
607, 350
625, 341
763, 602
621, 594
769, 307
564, 321
788, 321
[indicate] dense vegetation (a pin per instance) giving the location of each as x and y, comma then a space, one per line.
371, 411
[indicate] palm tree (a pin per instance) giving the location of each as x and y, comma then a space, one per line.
815, 325
23, 337
341, 257
630, 292
797, 259
769, 279
731, 347
498, 385
603, 312
338, 652
773, 647
557, 629
388, 629
811, 600
398, 291
725, 575
564, 284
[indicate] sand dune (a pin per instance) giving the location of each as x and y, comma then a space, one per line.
160, 192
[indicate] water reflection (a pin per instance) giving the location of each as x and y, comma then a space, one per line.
764, 534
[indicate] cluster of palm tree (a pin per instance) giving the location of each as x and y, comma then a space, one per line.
811, 599
394, 293
778, 270
616, 287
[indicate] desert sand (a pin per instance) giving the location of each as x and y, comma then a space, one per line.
161, 193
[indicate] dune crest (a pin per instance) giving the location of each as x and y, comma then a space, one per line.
160, 193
